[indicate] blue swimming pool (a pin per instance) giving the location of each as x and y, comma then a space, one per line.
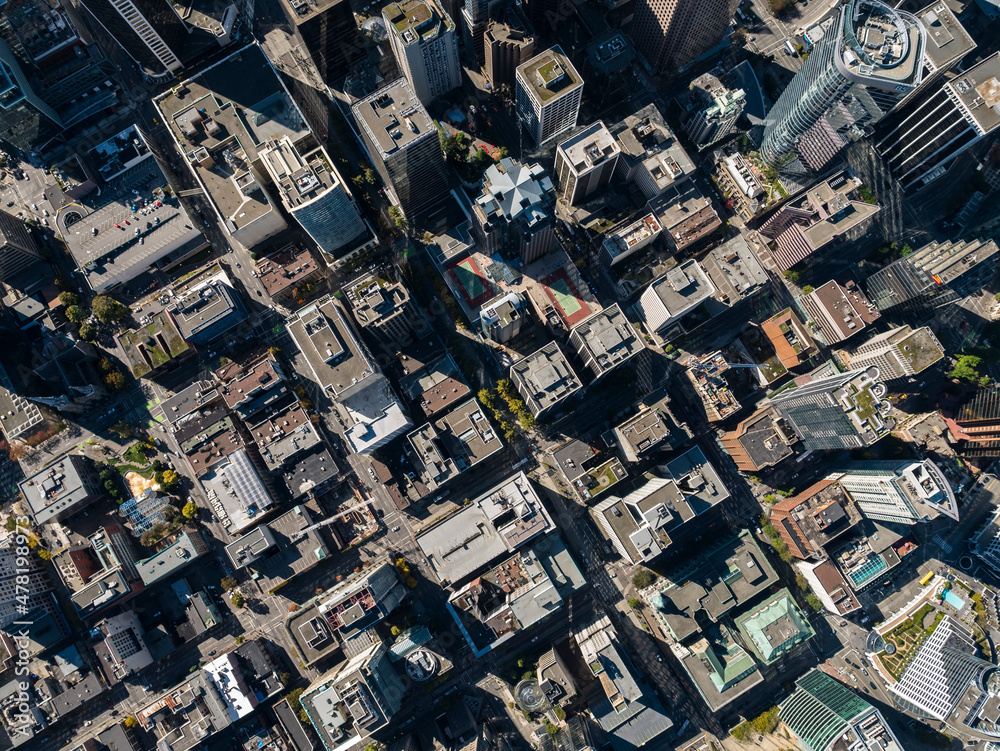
954, 600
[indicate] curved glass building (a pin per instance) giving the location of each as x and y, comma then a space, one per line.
869, 57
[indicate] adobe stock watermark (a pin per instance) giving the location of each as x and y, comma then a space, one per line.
21, 719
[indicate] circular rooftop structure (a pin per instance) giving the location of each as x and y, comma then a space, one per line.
529, 696
421, 665
878, 35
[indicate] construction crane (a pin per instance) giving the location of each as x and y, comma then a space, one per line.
325, 522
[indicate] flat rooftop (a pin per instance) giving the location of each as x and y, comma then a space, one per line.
286, 268
545, 377
640, 232
719, 667
815, 517
549, 75
980, 86
840, 311
299, 177
324, 338
277, 551
468, 435
650, 428
305, 11
947, 40
734, 271
886, 45
591, 146
221, 118
284, 434
606, 340
416, 20
394, 118
152, 345
118, 232
686, 213
683, 288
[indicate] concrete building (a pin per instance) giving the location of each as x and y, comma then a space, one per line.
124, 644
281, 549
206, 306
671, 35
109, 242
686, 215
826, 715
355, 699
715, 112
153, 36
830, 211
739, 181
455, 443
287, 270
585, 163
548, 92
836, 312
787, 334
671, 297
900, 353
425, 45
386, 310
507, 517
622, 242
362, 599
61, 489
284, 435
99, 570
18, 416
707, 376
170, 560
904, 492
508, 41
604, 341
476, 15
235, 484
515, 212
403, 144
760, 441
330, 35
17, 249
651, 155
249, 387
845, 410
502, 317
814, 518
654, 428
658, 514
185, 714
222, 148
545, 379
933, 276
315, 194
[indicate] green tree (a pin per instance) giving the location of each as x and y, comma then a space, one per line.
813, 602
88, 331
397, 216
966, 369
114, 381
294, 699
108, 309
369, 175
635, 603
190, 510
801, 581
559, 712
131, 722
77, 314
807, 289
169, 480
69, 299
228, 583
238, 600
643, 578
526, 419
502, 153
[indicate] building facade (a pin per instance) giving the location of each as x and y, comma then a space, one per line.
900, 492
425, 46
673, 33
514, 215
150, 31
548, 92
17, 249
585, 163
329, 33
899, 353
507, 42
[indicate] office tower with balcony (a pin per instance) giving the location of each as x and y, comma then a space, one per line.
404, 146
716, 109
840, 411
868, 59
672, 33
930, 134
314, 193
508, 42
585, 163
150, 31
548, 93
330, 34
425, 46
900, 492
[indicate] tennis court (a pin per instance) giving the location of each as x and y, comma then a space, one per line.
473, 286
565, 298
563, 293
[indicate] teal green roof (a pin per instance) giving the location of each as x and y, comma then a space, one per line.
774, 627
820, 710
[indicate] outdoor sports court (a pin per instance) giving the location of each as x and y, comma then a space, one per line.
565, 297
472, 283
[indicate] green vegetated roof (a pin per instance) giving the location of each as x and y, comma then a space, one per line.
820, 709
774, 627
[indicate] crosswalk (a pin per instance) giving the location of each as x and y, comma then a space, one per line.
940, 542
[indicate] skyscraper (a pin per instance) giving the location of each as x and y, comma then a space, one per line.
717, 110
904, 492
330, 34
514, 213
315, 194
825, 715
17, 249
548, 93
846, 84
508, 42
586, 162
425, 46
403, 144
150, 31
673, 33
845, 410
898, 353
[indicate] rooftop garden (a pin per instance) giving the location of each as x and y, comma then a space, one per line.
907, 638
602, 478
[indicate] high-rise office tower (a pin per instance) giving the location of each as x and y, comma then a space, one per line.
898, 353
673, 33
931, 133
902, 492
717, 108
425, 46
315, 194
403, 144
508, 42
514, 213
548, 93
844, 410
846, 84
17, 249
935, 275
330, 34
150, 31
827, 716
586, 162
476, 15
